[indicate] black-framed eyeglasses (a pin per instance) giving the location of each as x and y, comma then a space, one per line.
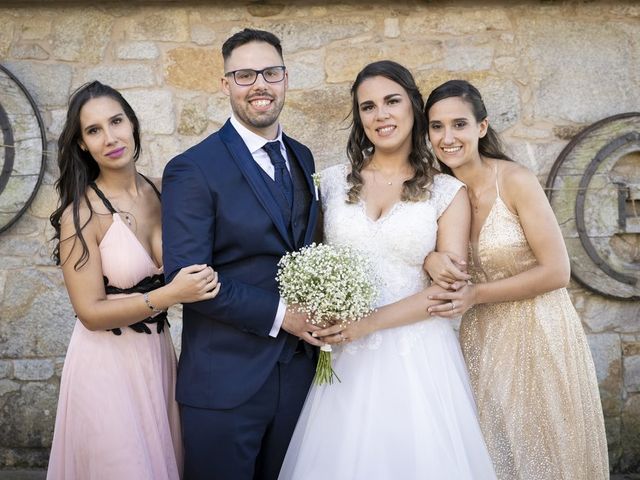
247, 76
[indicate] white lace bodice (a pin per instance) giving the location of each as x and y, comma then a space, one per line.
397, 243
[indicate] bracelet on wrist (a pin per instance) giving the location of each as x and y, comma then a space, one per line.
148, 303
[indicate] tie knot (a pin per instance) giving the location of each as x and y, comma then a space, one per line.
273, 150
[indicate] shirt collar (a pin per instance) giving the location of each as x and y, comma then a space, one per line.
253, 141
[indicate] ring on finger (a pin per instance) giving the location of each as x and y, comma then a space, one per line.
342, 339
452, 305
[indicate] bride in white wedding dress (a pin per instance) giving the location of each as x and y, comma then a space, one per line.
404, 408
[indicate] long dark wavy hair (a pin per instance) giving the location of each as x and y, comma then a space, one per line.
420, 159
490, 145
77, 167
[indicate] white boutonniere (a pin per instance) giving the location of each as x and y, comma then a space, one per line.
316, 185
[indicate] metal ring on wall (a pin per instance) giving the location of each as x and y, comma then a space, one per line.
594, 189
22, 156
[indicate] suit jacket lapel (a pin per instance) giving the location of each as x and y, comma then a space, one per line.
306, 164
247, 165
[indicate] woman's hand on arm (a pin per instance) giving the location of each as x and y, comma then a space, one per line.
86, 288
446, 269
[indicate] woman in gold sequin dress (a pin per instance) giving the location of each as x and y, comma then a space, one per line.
529, 361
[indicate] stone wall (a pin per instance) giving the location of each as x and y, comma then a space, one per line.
546, 69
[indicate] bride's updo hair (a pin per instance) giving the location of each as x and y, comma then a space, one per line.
360, 148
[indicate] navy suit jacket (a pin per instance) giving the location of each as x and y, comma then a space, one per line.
217, 210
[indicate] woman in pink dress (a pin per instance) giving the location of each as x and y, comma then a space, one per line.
117, 417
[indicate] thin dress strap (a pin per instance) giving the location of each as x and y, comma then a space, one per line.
102, 197
153, 185
107, 203
497, 186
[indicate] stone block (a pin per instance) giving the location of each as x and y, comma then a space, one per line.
137, 51
169, 24
24, 458
154, 108
21, 252
81, 35
456, 21
630, 348
626, 11
6, 368
506, 65
27, 418
55, 126
53, 92
3, 281
8, 386
601, 314
215, 14
392, 27
219, 109
58, 366
194, 69
203, 34
29, 51
35, 27
630, 435
193, 119
324, 130
45, 201
37, 316
265, 10
502, 99
460, 57
345, 59
607, 357
306, 70
613, 427
122, 76
561, 68
318, 32
160, 150
632, 373
6, 33
32, 369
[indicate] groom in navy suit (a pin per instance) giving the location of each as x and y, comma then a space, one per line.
238, 201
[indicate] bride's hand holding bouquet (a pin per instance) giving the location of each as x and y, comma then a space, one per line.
332, 285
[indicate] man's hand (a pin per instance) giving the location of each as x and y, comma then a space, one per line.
296, 322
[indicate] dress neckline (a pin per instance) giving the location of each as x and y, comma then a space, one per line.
117, 219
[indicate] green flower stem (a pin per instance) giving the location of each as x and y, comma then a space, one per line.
324, 371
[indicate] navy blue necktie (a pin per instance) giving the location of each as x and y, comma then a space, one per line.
282, 177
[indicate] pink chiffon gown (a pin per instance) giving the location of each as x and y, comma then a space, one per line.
117, 417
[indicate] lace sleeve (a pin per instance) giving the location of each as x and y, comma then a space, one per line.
333, 184
443, 190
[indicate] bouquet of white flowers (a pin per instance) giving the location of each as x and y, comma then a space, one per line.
330, 283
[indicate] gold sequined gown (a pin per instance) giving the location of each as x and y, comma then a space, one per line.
531, 369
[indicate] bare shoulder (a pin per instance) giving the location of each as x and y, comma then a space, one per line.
84, 214
517, 180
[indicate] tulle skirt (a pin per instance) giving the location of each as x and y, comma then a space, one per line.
403, 409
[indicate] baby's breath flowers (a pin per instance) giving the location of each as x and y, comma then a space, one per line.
330, 283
